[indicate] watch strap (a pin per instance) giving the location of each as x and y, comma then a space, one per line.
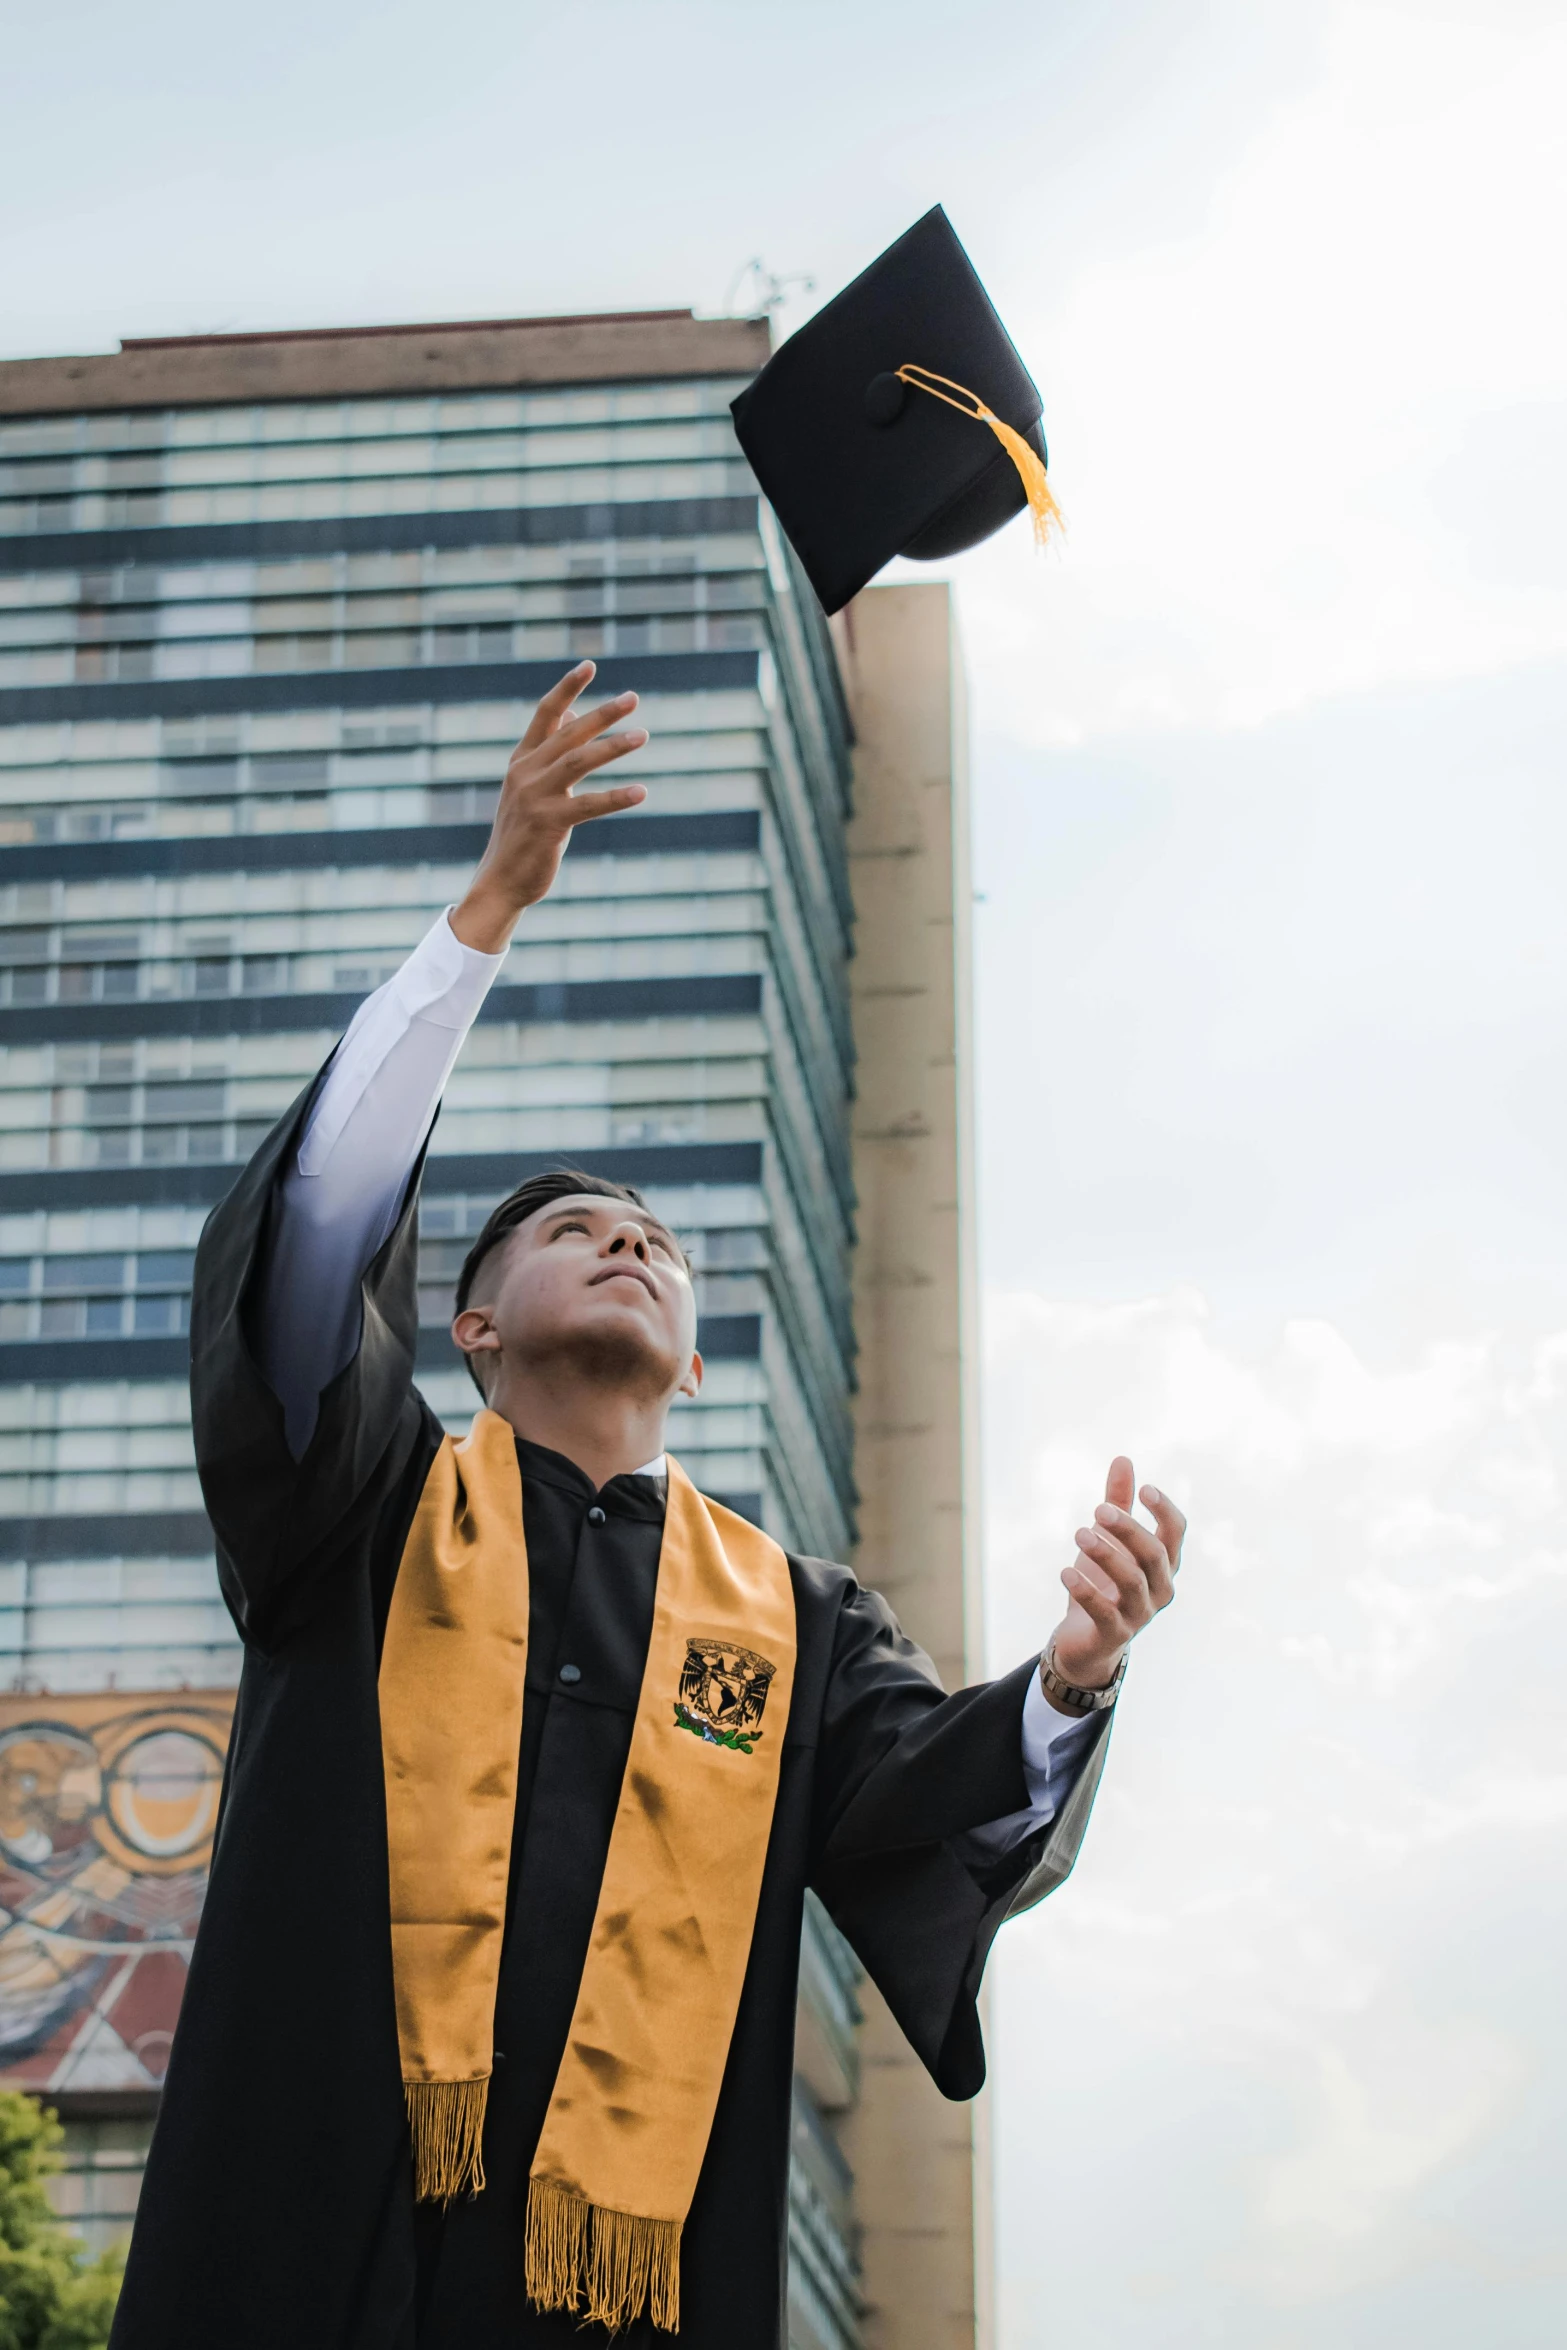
1066, 1694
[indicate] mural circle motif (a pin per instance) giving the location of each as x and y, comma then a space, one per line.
160, 1798
50, 1789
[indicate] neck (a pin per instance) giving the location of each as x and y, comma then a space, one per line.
603, 1430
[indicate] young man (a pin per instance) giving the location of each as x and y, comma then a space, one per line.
489, 2026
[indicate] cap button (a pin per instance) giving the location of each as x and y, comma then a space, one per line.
571, 1675
595, 1516
884, 398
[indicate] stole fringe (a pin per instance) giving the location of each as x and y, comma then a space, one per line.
605, 2266
446, 2121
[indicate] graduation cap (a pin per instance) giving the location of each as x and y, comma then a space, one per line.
898, 421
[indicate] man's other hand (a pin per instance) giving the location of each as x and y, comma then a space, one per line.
1123, 1574
538, 808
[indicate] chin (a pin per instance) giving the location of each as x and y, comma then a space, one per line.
612, 1349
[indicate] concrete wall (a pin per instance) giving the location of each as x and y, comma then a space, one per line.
921, 2164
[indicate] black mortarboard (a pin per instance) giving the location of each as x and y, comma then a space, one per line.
867, 429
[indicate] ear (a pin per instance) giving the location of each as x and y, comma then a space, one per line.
475, 1333
691, 1384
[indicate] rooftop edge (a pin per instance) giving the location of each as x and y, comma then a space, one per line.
316, 363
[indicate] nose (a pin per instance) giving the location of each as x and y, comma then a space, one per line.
632, 1237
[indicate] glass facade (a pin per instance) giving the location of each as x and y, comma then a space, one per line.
260, 668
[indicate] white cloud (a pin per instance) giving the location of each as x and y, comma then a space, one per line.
1314, 446
1338, 2207
1296, 2000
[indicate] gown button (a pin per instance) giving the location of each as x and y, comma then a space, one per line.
571, 1675
595, 1516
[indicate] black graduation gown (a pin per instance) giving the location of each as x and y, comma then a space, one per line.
277, 2205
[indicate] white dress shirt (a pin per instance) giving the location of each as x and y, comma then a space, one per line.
341, 1197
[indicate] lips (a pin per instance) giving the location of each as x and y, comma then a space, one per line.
625, 1273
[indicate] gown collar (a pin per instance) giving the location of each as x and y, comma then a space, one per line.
639, 1493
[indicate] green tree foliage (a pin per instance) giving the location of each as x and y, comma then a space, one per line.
52, 2297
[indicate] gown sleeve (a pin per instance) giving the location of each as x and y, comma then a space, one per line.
339, 1194
283, 1526
905, 1774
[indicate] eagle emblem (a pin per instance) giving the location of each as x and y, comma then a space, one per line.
723, 1689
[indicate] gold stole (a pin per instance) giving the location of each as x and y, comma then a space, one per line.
633, 2103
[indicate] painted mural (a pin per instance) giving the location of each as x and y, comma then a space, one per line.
107, 1810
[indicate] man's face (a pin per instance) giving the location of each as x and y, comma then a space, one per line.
596, 1286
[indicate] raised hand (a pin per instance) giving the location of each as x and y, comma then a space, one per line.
1123, 1574
538, 809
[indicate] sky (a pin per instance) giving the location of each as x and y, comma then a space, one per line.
1270, 832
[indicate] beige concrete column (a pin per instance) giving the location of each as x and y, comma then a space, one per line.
920, 2163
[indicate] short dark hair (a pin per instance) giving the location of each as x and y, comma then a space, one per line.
555, 1183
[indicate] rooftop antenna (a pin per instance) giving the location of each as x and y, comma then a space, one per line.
765, 291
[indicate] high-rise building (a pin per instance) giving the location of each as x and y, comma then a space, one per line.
273, 609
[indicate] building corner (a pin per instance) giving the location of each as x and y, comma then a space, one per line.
921, 2164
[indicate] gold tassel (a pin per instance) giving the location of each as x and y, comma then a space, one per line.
1036, 483
446, 2121
604, 2266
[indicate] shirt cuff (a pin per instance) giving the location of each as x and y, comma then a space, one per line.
1051, 1740
444, 981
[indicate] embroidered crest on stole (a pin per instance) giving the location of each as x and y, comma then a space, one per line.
723, 1690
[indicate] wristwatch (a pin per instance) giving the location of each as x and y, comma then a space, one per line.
1071, 1699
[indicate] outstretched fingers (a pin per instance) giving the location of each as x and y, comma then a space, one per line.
1098, 1600
1130, 1562
583, 806
554, 705
560, 759
583, 757
1118, 1574
588, 757
1140, 1549
1169, 1520
1123, 1574
578, 731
